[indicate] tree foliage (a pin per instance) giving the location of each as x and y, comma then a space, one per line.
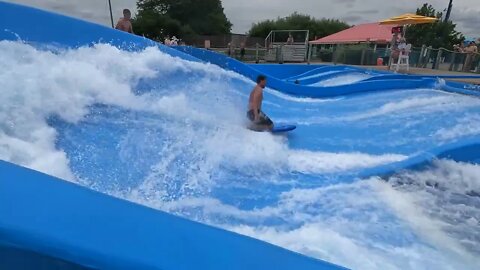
317, 27
158, 18
439, 34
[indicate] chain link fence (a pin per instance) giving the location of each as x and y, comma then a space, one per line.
425, 57
256, 54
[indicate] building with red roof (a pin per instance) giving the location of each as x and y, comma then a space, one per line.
362, 33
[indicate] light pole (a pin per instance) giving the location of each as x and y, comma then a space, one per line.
449, 10
111, 14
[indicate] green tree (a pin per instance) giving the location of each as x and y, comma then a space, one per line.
438, 34
317, 27
158, 18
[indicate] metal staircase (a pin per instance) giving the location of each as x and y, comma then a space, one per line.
279, 51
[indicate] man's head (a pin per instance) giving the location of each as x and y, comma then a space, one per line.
127, 14
262, 81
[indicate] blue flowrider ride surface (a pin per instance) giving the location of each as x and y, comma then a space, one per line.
380, 173
283, 128
54, 222
48, 223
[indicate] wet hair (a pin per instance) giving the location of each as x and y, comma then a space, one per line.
126, 11
261, 78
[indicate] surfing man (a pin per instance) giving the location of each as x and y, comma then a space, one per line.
259, 121
124, 23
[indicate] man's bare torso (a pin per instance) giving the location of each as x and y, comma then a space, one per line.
124, 25
255, 100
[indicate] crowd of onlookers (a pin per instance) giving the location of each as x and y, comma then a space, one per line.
469, 55
173, 41
231, 50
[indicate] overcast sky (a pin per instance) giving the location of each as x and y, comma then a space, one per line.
242, 13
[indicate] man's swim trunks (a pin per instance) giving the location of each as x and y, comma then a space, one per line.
262, 118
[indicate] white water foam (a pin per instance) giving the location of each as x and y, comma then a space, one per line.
223, 150
318, 74
369, 224
299, 99
342, 80
65, 83
392, 104
39, 84
418, 105
466, 126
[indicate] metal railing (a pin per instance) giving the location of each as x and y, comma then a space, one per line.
256, 54
276, 37
280, 50
259, 54
286, 53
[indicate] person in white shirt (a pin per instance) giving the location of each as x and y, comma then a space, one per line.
290, 39
167, 41
174, 41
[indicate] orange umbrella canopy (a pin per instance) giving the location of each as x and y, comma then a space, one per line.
409, 18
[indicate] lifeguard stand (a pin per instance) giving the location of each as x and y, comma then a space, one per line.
279, 50
403, 58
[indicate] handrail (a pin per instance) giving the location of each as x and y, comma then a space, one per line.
271, 36
267, 38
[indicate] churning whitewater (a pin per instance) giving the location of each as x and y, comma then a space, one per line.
169, 133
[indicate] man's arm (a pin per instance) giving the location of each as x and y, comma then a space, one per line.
257, 101
130, 28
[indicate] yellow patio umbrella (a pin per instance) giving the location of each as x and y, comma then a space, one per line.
409, 18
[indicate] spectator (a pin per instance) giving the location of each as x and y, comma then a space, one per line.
290, 39
174, 41
459, 56
475, 57
231, 49
402, 44
471, 50
242, 50
395, 52
229, 52
459, 48
167, 41
124, 23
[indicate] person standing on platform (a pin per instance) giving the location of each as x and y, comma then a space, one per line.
124, 24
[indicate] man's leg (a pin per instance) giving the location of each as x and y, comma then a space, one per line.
265, 121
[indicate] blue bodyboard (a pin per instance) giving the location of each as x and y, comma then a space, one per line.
282, 128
